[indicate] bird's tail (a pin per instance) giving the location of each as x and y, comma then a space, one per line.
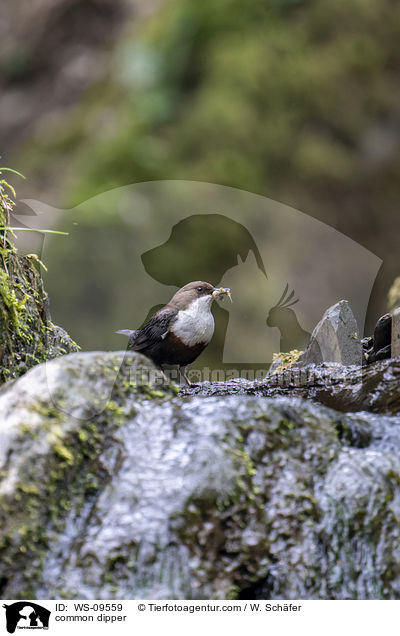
129, 332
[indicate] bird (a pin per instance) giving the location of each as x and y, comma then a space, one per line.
179, 332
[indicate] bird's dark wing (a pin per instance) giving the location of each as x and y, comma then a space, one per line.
154, 330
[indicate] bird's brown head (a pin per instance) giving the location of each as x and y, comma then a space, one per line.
192, 291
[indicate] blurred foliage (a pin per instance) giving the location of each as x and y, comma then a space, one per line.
276, 97
294, 99
394, 295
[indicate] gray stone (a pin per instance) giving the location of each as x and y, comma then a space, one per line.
396, 333
112, 489
374, 387
334, 339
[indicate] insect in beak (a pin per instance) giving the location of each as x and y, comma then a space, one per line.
222, 291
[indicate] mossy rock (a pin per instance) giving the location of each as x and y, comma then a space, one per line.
27, 335
112, 486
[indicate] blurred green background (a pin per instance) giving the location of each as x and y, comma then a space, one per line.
296, 100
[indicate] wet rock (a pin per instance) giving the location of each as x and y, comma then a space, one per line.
382, 332
378, 347
395, 351
381, 354
374, 388
112, 488
59, 342
334, 339
367, 344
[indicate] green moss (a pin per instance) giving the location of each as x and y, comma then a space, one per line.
12, 305
27, 337
142, 385
64, 453
233, 593
115, 409
65, 481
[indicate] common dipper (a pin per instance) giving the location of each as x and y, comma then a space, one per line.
180, 331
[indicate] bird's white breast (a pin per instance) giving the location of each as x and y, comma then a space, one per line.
196, 323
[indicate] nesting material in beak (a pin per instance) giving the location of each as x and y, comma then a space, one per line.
222, 291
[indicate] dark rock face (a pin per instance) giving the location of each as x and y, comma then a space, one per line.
382, 332
113, 488
379, 346
334, 339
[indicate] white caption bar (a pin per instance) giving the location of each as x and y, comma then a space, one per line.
121, 618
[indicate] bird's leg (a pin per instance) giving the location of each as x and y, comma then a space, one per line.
164, 377
182, 371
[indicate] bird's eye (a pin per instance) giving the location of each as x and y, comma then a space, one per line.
199, 289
